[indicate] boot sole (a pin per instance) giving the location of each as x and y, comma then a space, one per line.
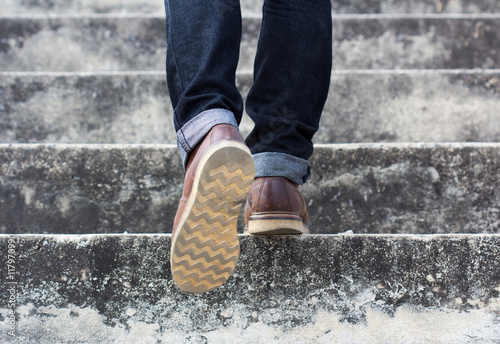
276, 227
205, 246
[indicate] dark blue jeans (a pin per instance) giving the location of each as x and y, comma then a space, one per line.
291, 77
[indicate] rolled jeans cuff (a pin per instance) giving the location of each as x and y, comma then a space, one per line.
198, 127
271, 164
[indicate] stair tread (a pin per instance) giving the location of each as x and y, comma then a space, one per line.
367, 188
363, 106
138, 43
280, 288
420, 219
338, 6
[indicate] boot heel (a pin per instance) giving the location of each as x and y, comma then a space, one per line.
276, 227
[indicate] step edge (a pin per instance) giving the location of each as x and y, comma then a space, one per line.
251, 15
330, 146
247, 73
419, 237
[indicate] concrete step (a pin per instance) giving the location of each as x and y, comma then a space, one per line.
348, 289
338, 6
363, 106
366, 188
137, 42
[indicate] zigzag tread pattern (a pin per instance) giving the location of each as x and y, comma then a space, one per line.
203, 230
228, 175
210, 244
223, 181
202, 268
218, 221
208, 207
189, 282
209, 253
211, 276
214, 188
206, 249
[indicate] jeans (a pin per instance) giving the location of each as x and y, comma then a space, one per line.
291, 77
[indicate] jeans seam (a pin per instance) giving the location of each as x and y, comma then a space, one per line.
183, 142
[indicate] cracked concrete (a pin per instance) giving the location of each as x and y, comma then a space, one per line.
350, 288
368, 188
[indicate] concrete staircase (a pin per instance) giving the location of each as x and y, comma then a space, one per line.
90, 180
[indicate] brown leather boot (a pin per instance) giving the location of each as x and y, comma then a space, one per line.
205, 245
275, 206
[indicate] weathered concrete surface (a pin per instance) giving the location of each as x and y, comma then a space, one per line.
392, 188
87, 189
122, 108
309, 289
361, 107
394, 43
138, 43
412, 106
379, 188
338, 6
80, 6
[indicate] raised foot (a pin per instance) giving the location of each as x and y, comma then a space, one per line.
205, 247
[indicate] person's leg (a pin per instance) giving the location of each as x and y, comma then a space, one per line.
202, 55
203, 39
291, 81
